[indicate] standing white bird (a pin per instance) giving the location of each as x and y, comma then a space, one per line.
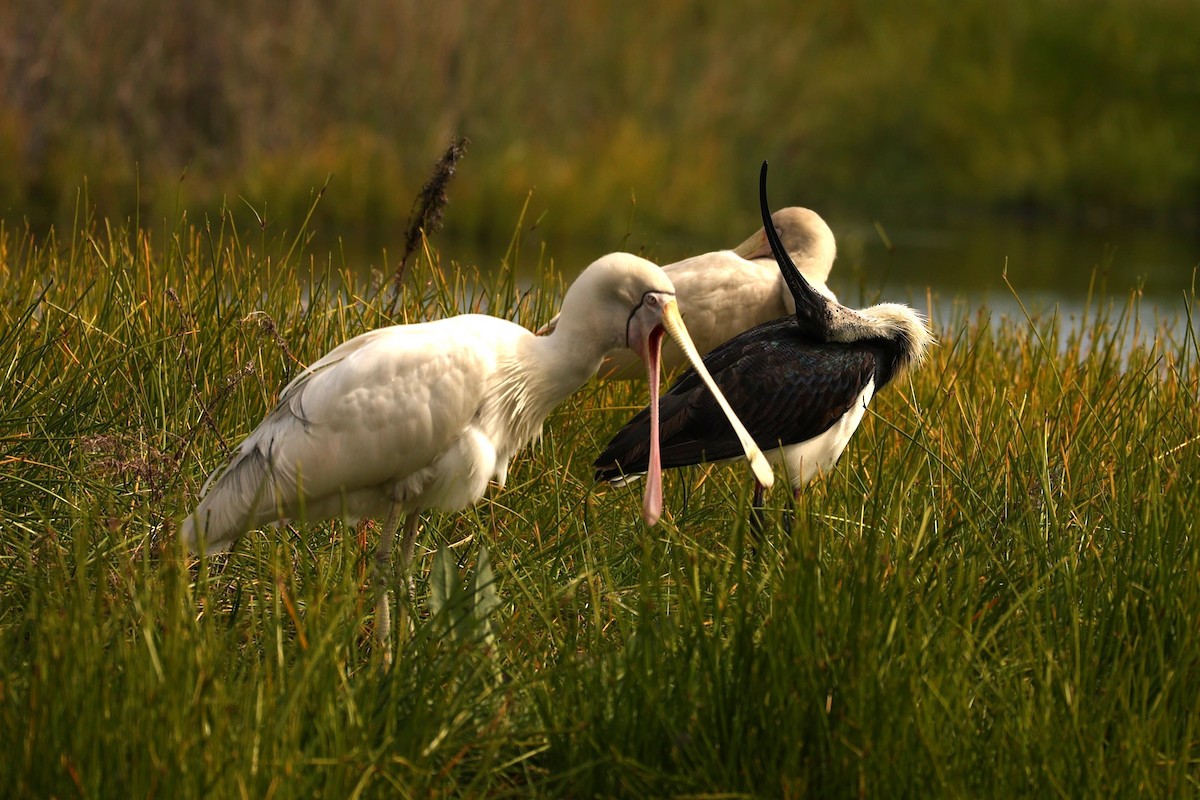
412, 417
725, 292
801, 383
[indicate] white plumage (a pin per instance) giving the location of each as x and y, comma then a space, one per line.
804, 461
419, 416
725, 292
413, 417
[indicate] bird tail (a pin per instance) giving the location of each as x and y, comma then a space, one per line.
625, 459
613, 476
627, 456
229, 503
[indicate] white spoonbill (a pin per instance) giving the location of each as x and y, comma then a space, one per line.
725, 292
412, 417
801, 383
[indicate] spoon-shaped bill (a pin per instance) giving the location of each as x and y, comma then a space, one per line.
673, 323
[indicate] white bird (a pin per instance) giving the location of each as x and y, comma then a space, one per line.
412, 417
801, 383
725, 292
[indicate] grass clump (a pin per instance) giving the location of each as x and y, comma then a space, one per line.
992, 595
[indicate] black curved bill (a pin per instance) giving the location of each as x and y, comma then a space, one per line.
811, 307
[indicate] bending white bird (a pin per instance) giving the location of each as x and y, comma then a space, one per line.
801, 383
412, 417
725, 292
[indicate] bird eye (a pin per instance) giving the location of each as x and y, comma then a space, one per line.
651, 300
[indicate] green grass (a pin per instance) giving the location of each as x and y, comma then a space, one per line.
993, 595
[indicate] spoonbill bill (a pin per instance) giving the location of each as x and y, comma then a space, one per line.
412, 417
801, 384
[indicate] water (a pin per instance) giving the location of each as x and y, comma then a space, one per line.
969, 257
1051, 268
949, 263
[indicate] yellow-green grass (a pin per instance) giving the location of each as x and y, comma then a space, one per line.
994, 594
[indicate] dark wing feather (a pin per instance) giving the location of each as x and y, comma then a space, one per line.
783, 386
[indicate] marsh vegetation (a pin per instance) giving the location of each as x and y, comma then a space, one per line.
994, 593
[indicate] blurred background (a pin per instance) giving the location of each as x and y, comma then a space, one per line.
943, 140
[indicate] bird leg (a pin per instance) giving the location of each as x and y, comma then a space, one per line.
757, 519
383, 573
406, 553
789, 515
360, 531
